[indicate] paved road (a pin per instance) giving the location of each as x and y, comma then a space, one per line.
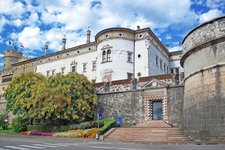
38, 143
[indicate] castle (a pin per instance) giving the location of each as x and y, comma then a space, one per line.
137, 77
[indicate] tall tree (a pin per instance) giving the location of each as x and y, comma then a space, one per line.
19, 92
55, 100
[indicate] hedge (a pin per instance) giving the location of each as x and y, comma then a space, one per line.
108, 124
62, 128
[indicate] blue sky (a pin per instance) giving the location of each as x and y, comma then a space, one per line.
36, 22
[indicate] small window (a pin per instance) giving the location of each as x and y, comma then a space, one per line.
171, 70
89, 48
140, 35
161, 64
93, 65
139, 74
78, 52
109, 55
164, 67
53, 72
129, 57
103, 56
106, 35
67, 54
73, 69
120, 34
139, 55
48, 73
57, 56
85, 67
63, 70
157, 61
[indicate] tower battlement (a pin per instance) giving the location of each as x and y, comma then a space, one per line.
11, 57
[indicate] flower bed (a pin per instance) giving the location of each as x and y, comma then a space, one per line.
36, 132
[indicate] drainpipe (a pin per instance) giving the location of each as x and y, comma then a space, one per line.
134, 75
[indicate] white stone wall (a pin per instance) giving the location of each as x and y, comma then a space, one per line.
141, 64
155, 69
118, 68
79, 59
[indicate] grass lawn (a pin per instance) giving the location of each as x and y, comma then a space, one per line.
8, 131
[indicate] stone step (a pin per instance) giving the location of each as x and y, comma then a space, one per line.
154, 123
151, 131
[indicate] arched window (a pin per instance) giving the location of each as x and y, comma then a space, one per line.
103, 56
109, 55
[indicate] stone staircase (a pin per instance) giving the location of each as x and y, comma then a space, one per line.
149, 132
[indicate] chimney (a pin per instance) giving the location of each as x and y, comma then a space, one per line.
88, 35
46, 48
64, 42
138, 27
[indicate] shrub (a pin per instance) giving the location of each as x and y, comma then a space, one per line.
85, 125
1, 121
20, 123
77, 133
90, 133
4, 124
108, 124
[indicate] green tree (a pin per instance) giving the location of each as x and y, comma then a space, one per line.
64, 99
56, 100
19, 92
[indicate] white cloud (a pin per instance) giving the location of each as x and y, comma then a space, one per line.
31, 37
210, 15
9, 7
175, 48
168, 37
215, 4
3, 22
1, 55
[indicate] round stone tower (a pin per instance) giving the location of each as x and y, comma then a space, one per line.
11, 57
204, 66
114, 47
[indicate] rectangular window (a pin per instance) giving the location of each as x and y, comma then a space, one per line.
48, 73
85, 67
164, 67
129, 57
94, 66
53, 72
157, 61
177, 71
171, 70
73, 69
63, 70
161, 63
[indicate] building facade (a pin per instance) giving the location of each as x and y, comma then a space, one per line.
134, 73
